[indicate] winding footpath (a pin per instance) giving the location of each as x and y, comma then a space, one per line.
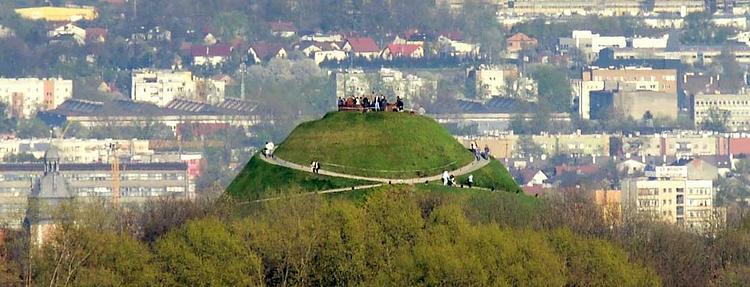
469, 168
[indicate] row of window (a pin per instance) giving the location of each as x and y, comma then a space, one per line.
722, 103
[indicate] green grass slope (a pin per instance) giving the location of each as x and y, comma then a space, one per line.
495, 176
260, 180
387, 144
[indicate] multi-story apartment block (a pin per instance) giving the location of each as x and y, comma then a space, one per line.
160, 87
733, 109
506, 146
631, 83
75, 150
25, 96
667, 193
139, 182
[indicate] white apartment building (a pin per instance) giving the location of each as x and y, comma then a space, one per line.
590, 44
160, 87
736, 108
667, 193
75, 150
25, 96
491, 82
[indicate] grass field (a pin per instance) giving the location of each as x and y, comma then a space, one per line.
260, 180
385, 144
494, 176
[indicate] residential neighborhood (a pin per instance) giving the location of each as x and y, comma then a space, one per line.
639, 108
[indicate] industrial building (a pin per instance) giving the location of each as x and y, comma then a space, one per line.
128, 183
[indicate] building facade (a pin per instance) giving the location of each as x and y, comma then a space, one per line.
75, 150
26, 96
574, 7
667, 193
161, 86
734, 110
139, 182
637, 86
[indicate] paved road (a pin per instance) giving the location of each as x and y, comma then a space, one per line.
469, 168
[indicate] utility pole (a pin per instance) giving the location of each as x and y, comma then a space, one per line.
135, 9
242, 79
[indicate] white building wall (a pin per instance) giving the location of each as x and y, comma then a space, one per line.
161, 86
27, 95
651, 43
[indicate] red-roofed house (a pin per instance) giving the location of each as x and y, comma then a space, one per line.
283, 29
263, 51
210, 55
364, 47
518, 42
402, 50
96, 35
587, 169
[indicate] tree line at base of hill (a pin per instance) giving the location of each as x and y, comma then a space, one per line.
397, 236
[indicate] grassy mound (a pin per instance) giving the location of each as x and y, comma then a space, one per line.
260, 179
495, 176
387, 145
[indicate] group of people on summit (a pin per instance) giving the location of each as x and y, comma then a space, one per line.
364, 103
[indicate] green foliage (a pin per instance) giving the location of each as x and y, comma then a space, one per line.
83, 256
554, 88
528, 148
699, 30
716, 120
33, 128
260, 179
596, 262
405, 238
387, 144
206, 253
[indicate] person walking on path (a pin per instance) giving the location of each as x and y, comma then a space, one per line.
313, 165
446, 177
470, 181
269, 149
